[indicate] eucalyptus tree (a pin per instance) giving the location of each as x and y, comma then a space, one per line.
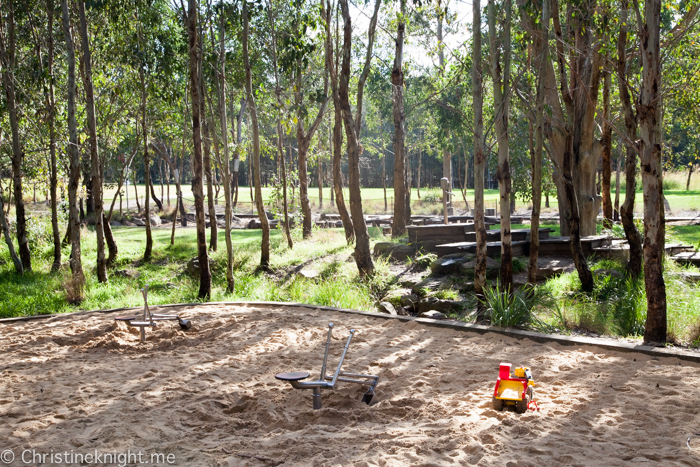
8, 61
398, 226
298, 47
194, 87
479, 154
500, 78
78, 279
337, 136
265, 245
353, 127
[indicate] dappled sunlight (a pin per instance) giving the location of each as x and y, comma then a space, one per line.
214, 386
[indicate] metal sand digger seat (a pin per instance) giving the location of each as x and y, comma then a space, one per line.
329, 382
149, 319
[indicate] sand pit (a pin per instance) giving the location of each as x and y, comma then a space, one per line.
208, 397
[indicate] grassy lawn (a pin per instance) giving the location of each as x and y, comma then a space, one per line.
41, 291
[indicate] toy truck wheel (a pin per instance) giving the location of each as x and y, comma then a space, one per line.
521, 405
498, 404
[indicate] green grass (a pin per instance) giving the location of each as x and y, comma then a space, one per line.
41, 291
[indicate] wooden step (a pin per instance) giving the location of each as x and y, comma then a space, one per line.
687, 257
493, 249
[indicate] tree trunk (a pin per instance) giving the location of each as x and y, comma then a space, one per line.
537, 155
146, 170
446, 155
213, 235
607, 153
78, 282
94, 155
8, 239
634, 239
236, 153
363, 255
501, 99
479, 156
230, 283
616, 209
136, 194
319, 176
197, 189
53, 174
265, 246
690, 172
398, 226
7, 58
332, 66
650, 126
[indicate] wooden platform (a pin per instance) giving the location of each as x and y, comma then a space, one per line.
493, 249
559, 246
688, 257
620, 249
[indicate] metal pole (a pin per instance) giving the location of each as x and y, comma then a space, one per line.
317, 398
342, 357
325, 355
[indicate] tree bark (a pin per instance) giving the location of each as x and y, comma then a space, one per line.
650, 126
634, 239
51, 104
94, 154
78, 279
213, 234
8, 239
146, 169
536, 157
607, 153
479, 155
265, 246
197, 189
226, 170
398, 226
7, 57
332, 66
616, 209
363, 255
501, 99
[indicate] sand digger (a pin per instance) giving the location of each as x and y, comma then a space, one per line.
517, 389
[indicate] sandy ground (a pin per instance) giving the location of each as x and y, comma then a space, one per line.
208, 397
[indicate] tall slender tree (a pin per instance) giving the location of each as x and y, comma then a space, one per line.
479, 155
197, 189
398, 226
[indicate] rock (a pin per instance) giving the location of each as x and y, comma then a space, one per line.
393, 250
432, 283
387, 307
608, 272
138, 222
546, 273
193, 267
687, 276
128, 224
448, 264
402, 252
492, 267
128, 273
383, 247
155, 220
433, 314
307, 274
409, 301
115, 224
410, 280
433, 303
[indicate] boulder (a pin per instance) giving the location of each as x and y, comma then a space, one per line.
386, 307
307, 274
410, 280
128, 224
128, 273
138, 222
433, 314
395, 251
432, 283
687, 276
155, 220
546, 273
449, 264
444, 306
115, 224
410, 301
193, 267
492, 267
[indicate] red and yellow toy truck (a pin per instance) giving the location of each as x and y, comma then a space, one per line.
515, 389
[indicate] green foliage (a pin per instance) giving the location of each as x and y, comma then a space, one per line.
509, 309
